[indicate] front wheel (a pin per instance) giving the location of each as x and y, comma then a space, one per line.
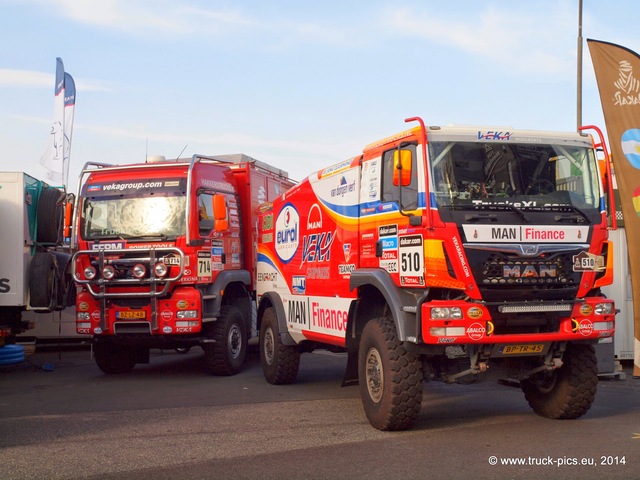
114, 359
569, 391
225, 356
280, 363
390, 377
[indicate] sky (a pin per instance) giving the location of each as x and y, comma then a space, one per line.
300, 85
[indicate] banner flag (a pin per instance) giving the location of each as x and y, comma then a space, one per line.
53, 157
69, 106
56, 156
617, 72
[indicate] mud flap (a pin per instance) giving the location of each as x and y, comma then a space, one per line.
351, 372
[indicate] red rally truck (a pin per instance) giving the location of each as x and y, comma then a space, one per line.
445, 253
166, 257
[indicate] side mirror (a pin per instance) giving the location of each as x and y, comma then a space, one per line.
68, 216
402, 168
602, 166
219, 205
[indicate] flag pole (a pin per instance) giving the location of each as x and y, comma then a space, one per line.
579, 73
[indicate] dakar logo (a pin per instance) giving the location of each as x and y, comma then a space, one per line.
628, 86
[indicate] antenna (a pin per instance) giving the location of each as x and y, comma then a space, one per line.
185, 147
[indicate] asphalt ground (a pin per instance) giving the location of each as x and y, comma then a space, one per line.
61, 418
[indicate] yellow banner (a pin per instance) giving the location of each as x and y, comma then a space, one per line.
618, 75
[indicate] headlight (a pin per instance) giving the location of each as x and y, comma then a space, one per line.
139, 270
446, 313
108, 272
90, 272
160, 269
604, 308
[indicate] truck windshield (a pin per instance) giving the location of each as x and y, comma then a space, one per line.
133, 217
529, 176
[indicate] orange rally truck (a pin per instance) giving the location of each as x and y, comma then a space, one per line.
445, 253
166, 257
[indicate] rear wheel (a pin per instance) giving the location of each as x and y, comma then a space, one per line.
114, 359
568, 391
225, 356
42, 272
280, 363
390, 377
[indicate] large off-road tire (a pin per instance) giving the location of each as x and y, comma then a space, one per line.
50, 283
114, 359
42, 278
226, 355
50, 215
280, 363
569, 391
390, 377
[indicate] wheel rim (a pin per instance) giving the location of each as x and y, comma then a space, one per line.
269, 346
547, 383
235, 341
374, 375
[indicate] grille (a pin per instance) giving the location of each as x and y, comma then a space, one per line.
503, 276
499, 269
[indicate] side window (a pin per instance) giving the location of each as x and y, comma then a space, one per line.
391, 192
205, 214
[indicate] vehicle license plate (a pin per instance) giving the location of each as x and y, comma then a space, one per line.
521, 349
126, 315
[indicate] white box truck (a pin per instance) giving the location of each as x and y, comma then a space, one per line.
33, 259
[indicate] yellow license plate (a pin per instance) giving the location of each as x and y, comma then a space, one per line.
129, 315
521, 349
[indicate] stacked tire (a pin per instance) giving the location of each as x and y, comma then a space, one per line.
11, 354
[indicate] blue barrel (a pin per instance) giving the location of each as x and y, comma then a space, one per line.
11, 354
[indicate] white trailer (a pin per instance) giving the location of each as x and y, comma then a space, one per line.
33, 261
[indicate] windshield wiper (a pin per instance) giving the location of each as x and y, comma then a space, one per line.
580, 214
484, 217
517, 210
150, 236
109, 237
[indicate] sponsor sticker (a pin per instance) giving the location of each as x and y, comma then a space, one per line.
585, 327
287, 233
586, 309
476, 331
